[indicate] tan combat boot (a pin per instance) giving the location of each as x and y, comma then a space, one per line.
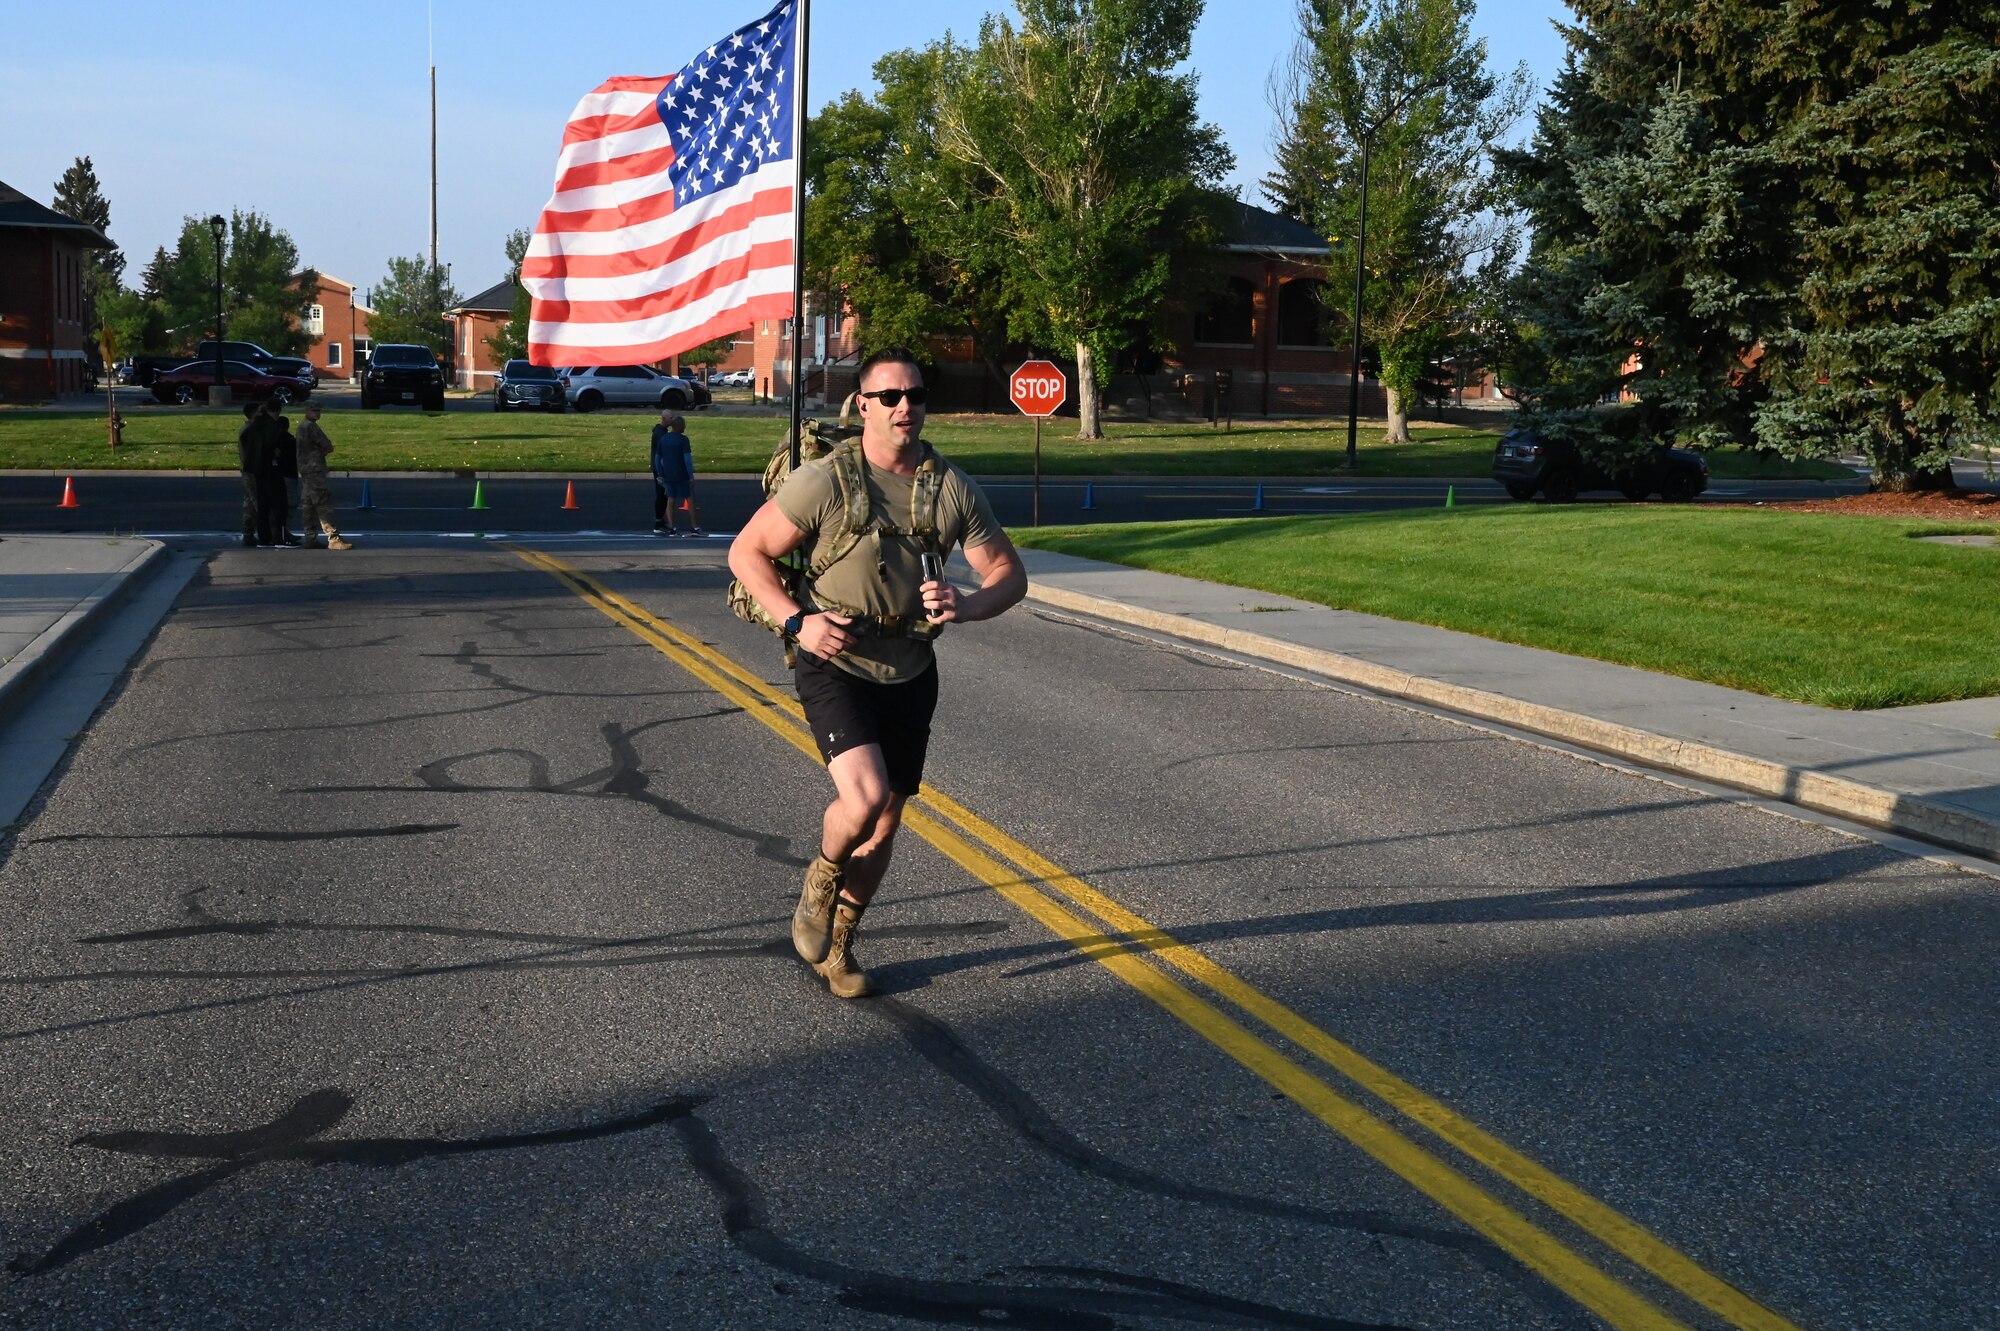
338, 543
812, 921
843, 973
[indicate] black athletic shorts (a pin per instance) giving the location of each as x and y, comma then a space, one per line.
846, 711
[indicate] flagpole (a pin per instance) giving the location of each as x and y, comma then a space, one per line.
799, 229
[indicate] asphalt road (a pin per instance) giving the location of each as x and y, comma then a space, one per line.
405, 945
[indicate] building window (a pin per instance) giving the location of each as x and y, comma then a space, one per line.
333, 355
1227, 319
1302, 318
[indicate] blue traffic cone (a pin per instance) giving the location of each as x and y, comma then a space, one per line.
1089, 498
367, 495
1257, 504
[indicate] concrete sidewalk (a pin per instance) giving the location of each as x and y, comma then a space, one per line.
53, 589
1929, 772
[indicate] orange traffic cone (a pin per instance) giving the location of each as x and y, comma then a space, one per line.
69, 494
569, 497
687, 505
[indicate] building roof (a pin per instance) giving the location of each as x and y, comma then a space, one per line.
17, 209
1261, 231
499, 297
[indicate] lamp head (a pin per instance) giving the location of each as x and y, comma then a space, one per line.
217, 226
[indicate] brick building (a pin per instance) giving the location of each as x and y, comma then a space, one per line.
42, 337
337, 322
473, 321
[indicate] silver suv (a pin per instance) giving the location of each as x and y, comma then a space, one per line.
588, 387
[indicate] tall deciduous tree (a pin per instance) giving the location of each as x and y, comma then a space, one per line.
1777, 225
511, 341
410, 304
263, 286
1408, 76
1100, 175
79, 196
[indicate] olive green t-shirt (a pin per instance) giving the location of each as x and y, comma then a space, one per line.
881, 574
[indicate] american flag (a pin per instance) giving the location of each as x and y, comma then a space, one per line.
671, 221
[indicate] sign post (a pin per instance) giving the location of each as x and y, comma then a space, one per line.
1037, 388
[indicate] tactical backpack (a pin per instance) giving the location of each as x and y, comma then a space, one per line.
840, 444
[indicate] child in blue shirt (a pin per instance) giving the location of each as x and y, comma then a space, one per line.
673, 475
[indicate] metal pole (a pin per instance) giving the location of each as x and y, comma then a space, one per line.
434, 173
1038, 471
799, 226
215, 225
1354, 351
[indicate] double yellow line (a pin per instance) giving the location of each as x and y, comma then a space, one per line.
1147, 958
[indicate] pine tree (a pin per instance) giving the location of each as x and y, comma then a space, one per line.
1781, 223
79, 196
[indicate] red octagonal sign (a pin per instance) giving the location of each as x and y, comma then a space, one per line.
1037, 388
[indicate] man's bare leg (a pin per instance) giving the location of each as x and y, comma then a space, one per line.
859, 829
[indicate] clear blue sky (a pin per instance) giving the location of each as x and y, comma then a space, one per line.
321, 112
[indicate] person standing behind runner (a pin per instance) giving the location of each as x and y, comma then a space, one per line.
274, 503
315, 492
250, 455
866, 673
673, 475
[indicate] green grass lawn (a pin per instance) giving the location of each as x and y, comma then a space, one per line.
733, 439
1835, 610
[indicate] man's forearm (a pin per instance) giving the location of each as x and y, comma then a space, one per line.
1001, 590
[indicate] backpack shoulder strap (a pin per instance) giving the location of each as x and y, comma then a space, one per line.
850, 479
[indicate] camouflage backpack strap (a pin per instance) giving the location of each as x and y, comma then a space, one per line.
850, 478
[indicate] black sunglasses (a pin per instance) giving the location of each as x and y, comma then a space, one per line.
893, 397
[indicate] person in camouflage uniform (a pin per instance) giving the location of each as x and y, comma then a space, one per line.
253, 458
315, 494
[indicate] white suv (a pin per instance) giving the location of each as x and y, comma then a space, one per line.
588, 387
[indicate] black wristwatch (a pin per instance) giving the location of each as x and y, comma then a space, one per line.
795, 623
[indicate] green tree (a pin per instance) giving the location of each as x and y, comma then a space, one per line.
410, 304
710, 353
79, 196
1782, 224
1408, 77
138, 324
263, 286
1099, 180
904, 235
511, 341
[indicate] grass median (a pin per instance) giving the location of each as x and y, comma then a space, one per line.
1840, 611
734, 439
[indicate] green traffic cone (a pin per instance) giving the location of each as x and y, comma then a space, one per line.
1450, 496
479, 494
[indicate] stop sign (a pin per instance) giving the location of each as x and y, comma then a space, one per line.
1037, 388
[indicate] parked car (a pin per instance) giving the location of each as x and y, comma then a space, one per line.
190, 383
736, 379
145, 367
1527, 463
403, 372
291, 367
588, 387
522, 384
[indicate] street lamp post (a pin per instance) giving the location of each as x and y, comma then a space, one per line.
216, 226
1360, 276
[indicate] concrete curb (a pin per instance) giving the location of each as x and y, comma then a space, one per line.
1873, 806
20, 675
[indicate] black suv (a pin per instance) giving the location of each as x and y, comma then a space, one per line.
523, 384
1526, 463
403, 372
285, 367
